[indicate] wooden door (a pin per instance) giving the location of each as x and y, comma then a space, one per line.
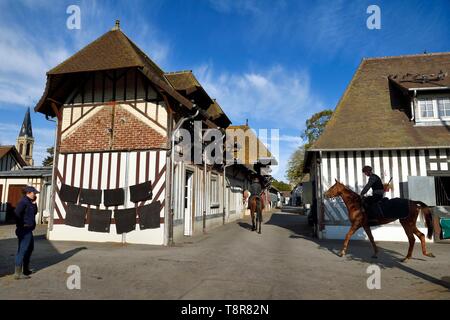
15, 193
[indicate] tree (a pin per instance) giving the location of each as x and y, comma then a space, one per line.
281, 186
294, 172
315, 126
48, 161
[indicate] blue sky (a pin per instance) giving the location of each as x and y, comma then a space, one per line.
273, 62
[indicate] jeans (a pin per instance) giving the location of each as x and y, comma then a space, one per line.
26, 246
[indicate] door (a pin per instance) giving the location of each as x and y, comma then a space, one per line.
188, 195
15, 193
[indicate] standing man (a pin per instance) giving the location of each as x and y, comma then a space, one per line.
375, 183
25, 212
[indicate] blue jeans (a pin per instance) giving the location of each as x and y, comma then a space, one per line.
26, 246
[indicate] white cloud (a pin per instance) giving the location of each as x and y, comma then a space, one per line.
274, 98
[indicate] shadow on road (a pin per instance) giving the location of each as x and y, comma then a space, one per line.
360, 251
245, 225
44, 255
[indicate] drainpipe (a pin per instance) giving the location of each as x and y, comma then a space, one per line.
224, 184
319, 194
53, 183
172, 169
205, 193
413, 106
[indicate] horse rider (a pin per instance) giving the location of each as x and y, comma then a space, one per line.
375, 184
255, 188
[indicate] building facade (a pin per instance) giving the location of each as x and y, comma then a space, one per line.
394, 116
118, 117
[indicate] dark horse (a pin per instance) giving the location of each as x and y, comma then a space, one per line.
359, 218
256, 205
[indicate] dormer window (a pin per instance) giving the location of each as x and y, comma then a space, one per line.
431, 109
426, 109
443, 105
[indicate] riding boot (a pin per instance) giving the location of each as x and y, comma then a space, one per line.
27, 271
19, 274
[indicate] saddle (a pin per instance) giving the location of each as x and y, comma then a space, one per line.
395, 208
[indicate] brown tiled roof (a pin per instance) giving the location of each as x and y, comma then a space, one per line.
186, 83
113, 50
183, 80
4, 150
248, 157
373, 114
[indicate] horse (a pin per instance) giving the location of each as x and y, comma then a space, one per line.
256, 205
359, 218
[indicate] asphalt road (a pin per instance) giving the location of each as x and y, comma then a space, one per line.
230, 262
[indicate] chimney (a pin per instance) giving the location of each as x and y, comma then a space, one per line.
117, 25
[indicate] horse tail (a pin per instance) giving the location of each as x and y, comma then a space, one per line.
427, 214
258, 205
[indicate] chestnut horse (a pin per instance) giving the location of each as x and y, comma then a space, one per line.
359, 218
256, 205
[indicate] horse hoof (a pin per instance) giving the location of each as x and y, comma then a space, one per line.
374, 256
404, 260
430, 255
341, 254
259, 232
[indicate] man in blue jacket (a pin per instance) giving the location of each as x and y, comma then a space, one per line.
25, 212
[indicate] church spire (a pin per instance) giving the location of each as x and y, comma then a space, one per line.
26, 130
25, 140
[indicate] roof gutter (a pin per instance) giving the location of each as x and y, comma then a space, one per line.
382, 148
429, 88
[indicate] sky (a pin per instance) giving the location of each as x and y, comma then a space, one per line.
274, 63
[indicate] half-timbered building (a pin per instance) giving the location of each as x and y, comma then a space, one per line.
394, 116
117, 118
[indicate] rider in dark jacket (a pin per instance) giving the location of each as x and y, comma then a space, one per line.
375, 184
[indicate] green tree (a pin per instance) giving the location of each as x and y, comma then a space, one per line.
315, 126
280, 185
48, 161
294, 172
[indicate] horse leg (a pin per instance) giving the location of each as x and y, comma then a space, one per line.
252, 214
411, 239
372, 241
350, 232
259, 219
421, 236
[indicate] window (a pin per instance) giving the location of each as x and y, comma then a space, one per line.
443, 107
28, 149
433, 109
214, 192
426, 108
21, 149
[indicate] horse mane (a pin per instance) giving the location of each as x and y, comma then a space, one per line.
355, 196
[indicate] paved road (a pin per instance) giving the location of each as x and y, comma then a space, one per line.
229, 263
